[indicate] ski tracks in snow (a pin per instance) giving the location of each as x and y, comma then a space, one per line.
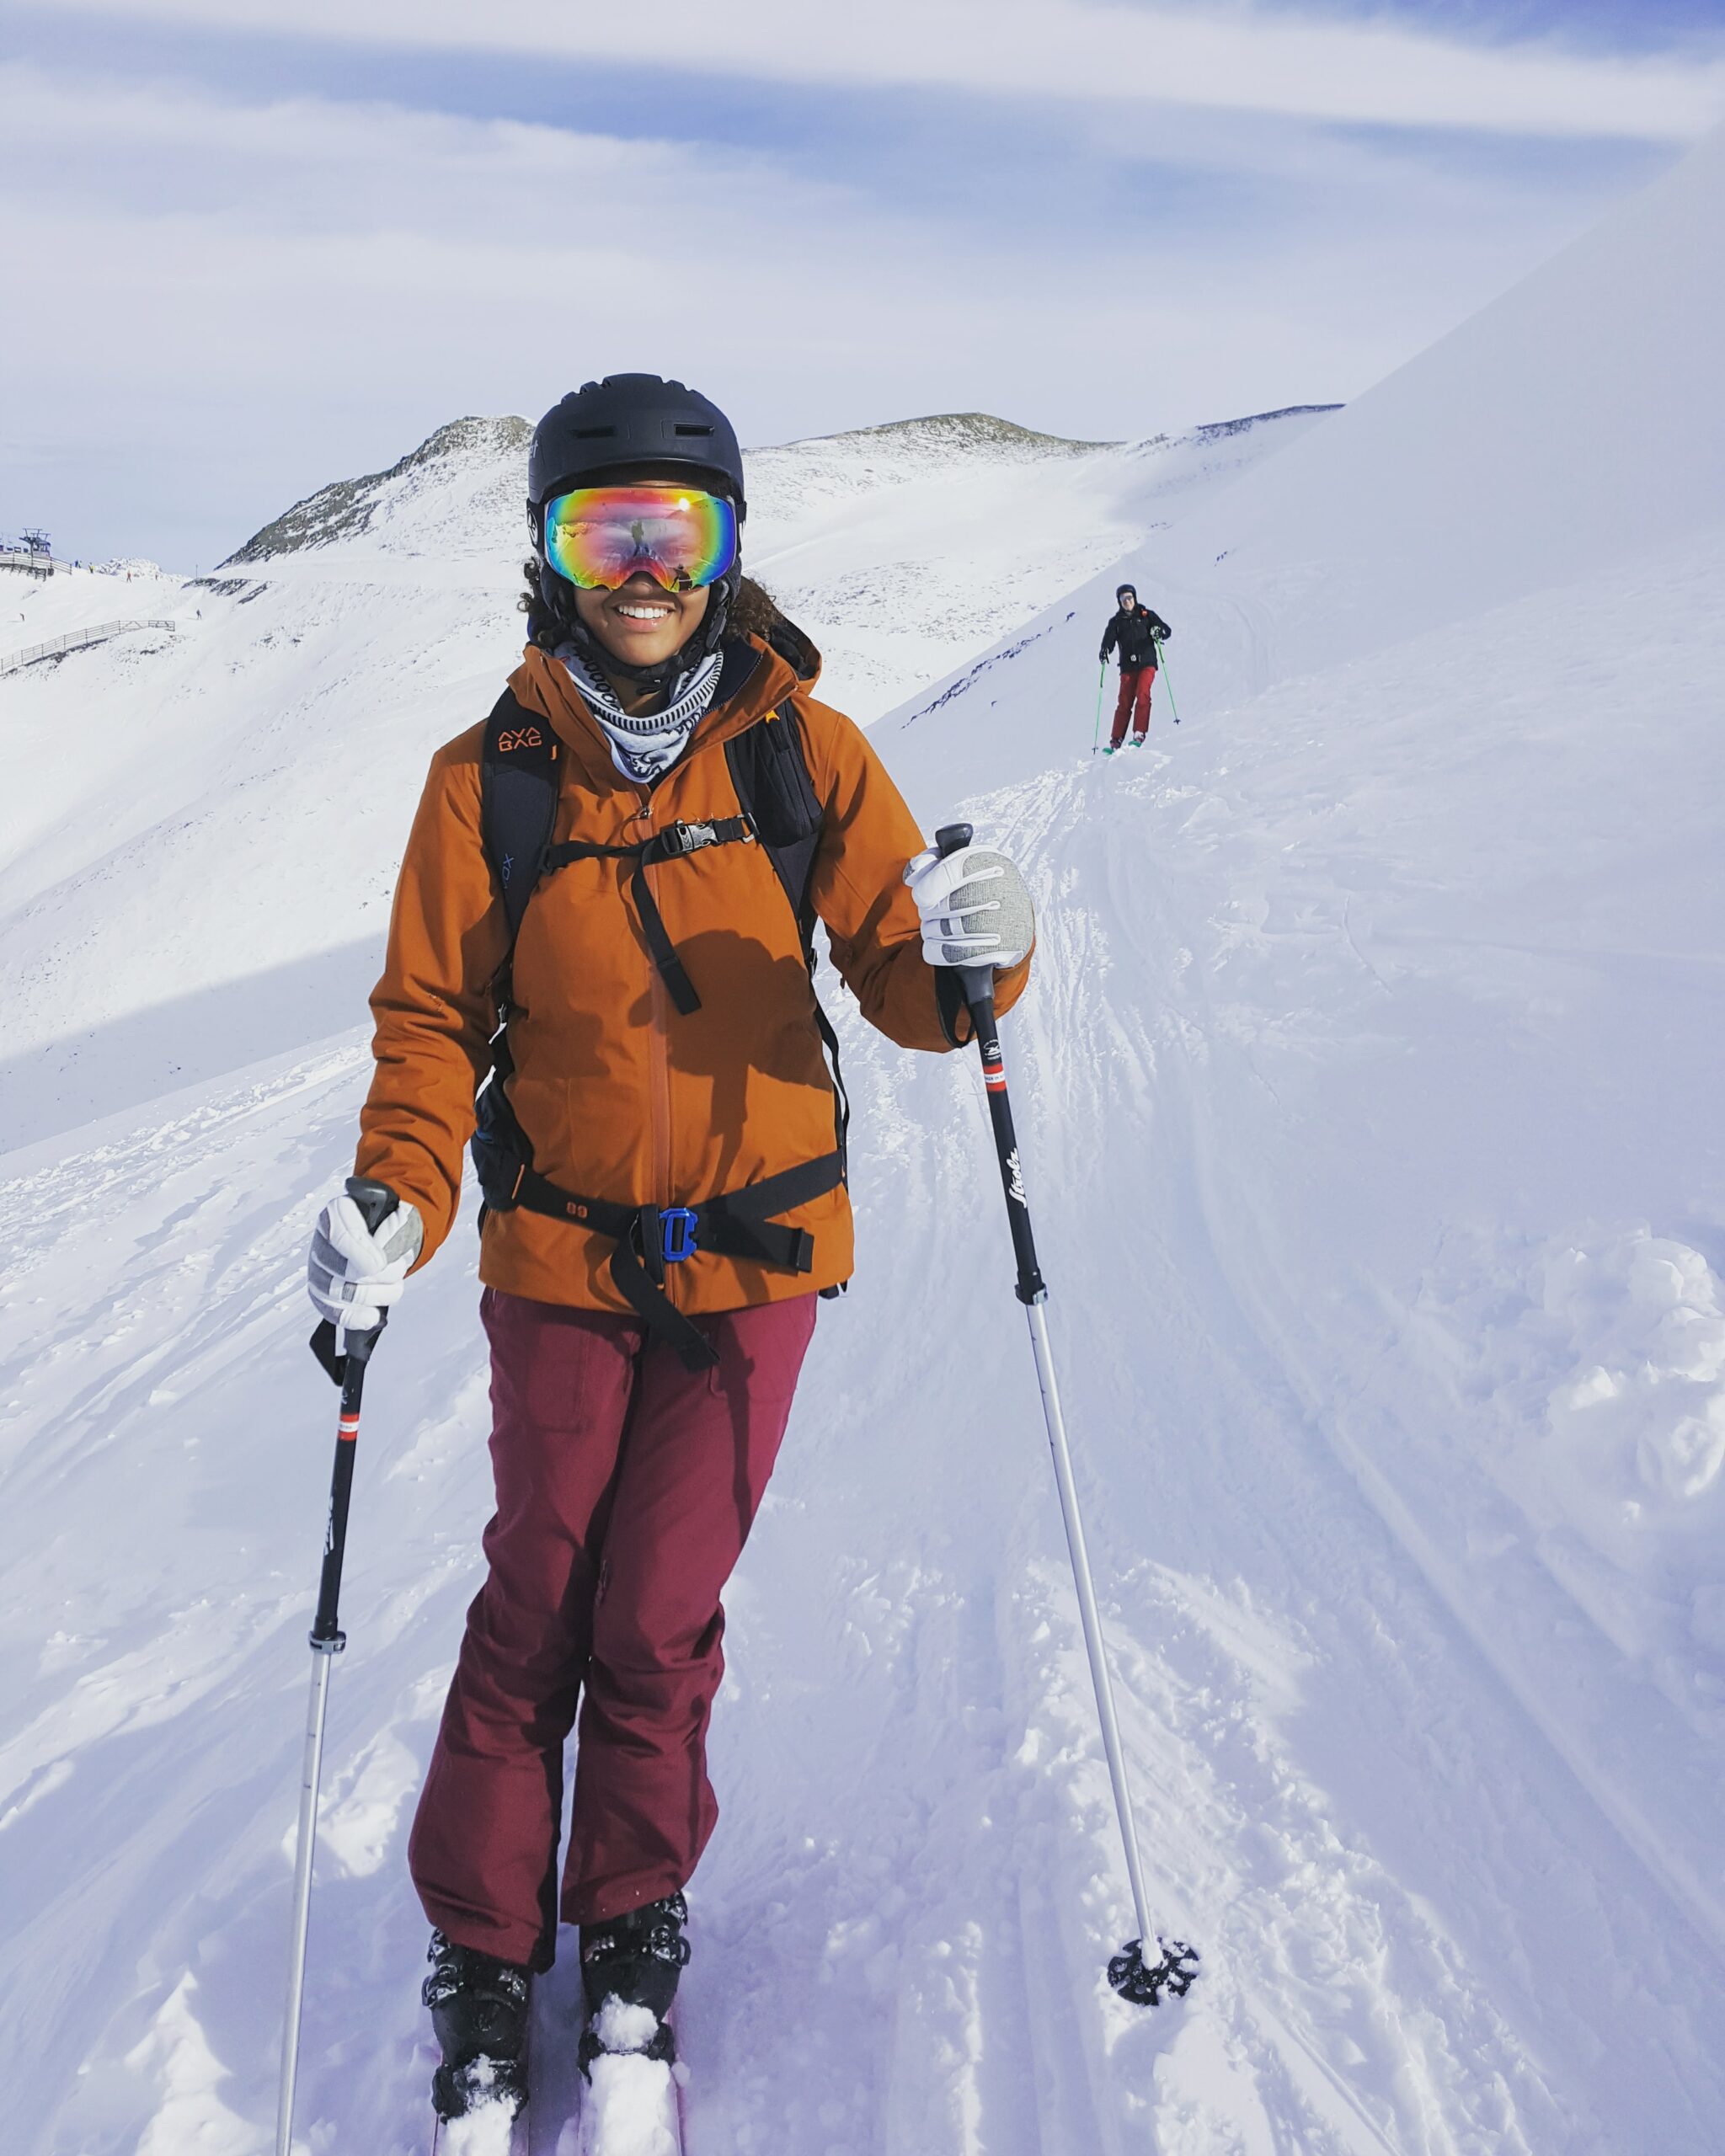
917, 1883
1332, 2013
1396, 1797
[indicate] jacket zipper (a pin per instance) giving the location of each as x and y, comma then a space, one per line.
659, 1064
658, 1084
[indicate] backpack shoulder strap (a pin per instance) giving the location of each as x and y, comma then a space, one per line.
518, 786
770, 770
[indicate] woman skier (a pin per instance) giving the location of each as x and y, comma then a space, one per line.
1138, 632
603, 923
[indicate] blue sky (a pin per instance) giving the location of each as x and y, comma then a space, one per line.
264, 243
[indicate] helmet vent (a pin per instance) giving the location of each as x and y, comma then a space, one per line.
682, 429
595, 434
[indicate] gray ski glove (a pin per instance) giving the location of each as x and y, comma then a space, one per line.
975, 909
353, 1273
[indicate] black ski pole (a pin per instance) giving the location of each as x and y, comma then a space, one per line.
344, 1357
1175, 1965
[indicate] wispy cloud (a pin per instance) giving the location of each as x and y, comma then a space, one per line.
1235, 57
237, 293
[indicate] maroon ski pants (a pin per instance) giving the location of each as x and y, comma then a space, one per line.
1137, 683
626, 1489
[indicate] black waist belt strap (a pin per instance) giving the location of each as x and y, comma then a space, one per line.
649, 1237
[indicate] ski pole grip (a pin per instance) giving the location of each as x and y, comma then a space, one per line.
376, 1201
976, 981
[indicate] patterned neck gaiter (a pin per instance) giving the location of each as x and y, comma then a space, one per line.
644, 749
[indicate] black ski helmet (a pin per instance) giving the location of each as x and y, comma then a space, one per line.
638, 424
1121, 590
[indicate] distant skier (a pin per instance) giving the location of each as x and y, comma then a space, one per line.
1137, 633
661, 1150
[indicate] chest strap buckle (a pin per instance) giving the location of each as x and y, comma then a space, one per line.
679, 838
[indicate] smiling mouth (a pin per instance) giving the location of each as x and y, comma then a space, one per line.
635, 612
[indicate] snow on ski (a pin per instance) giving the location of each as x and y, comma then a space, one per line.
492, 2130
631, 2103
634, 2107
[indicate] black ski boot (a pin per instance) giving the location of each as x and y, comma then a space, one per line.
479, 2011
629, 1972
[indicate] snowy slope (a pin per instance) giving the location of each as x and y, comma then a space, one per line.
1367, 1094
1560, 432
906, 550
255, 776
34, 610
1393, 1868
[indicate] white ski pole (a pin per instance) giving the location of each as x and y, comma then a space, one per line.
1133, 1972
375, 1200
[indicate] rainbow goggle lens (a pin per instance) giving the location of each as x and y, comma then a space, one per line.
599, 536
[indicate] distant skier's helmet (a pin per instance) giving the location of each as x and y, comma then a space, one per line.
1125, 591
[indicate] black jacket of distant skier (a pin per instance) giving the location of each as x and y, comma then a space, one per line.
1134, 635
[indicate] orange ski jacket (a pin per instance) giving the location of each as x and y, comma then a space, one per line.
623, 1097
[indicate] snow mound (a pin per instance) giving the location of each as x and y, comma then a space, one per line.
1572, 425
1597, 1372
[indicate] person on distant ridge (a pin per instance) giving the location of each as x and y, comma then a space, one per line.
637, 1012
1137, 632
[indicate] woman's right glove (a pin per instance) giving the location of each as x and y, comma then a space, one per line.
975, 909
355, 1272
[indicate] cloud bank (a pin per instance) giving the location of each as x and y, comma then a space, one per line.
238, 291
1372, 72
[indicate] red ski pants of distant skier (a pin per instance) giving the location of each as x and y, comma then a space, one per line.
626, 1489
1137, 683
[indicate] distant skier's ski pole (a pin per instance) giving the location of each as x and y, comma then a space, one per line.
1174, 1966
1161, 653
1096, 732
348, 1369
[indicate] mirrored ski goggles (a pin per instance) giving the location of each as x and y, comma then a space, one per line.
599, 536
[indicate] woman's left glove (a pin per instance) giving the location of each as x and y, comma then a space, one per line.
355, 1272
975, 909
